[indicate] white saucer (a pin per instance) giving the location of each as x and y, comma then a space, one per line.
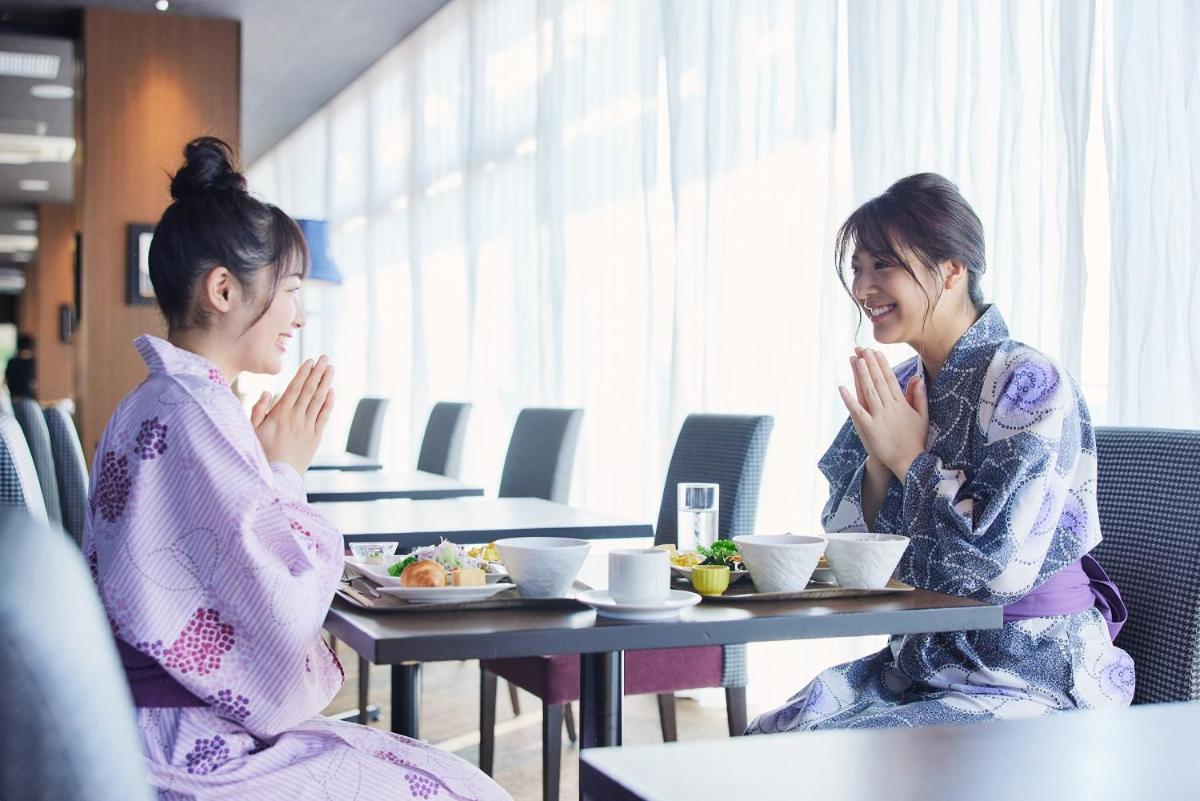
669, 609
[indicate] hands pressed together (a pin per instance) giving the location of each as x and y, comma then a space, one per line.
290, 428
893, 423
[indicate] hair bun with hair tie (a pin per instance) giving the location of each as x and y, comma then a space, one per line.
209, 167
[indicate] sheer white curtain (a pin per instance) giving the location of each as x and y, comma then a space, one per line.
1151, 82
628, 207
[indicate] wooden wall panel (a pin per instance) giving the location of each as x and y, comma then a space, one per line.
50, 284
151, 83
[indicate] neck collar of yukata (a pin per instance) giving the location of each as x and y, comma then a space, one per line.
163, 357
982, 338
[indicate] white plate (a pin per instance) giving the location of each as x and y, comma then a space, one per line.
686, 572
444, 595
379, 573
605, 606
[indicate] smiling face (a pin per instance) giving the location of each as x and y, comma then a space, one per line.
898, 305
263, 344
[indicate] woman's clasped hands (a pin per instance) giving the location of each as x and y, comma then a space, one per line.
892, 423
290, 428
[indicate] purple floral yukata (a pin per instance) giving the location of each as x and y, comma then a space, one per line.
216, 576
1002, 500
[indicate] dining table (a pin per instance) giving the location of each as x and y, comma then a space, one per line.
340, 486
471, 521
344, 461
1111, 754
406, 639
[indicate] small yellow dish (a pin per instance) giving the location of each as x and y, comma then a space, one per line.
710, 579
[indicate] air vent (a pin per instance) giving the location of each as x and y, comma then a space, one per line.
23, 149
28, 65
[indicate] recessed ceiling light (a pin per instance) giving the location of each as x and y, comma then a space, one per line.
33, 184
25, 225
15, 243
22, 257
51, 91
162, 5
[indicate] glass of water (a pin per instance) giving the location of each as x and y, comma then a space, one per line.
698, 511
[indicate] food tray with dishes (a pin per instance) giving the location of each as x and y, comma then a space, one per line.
815, 591
364, 593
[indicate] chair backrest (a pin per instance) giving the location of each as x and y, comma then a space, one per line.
541, 455
441, 447
33, 423
1148, 491
70, 467
725, 449
18, 477
366, 429
67, 728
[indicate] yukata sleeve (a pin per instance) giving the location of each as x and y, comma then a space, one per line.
844, 466
235, 574
991, 535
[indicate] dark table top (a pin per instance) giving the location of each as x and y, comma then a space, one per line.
334, 460
431, 636
472, 520
358, 485
1116, 754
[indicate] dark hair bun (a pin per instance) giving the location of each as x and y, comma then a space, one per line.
209, 168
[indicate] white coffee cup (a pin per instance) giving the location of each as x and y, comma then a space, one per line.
639, 575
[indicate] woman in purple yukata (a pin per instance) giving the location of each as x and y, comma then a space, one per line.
215, 572
981, 451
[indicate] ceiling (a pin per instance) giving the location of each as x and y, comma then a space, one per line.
296, 55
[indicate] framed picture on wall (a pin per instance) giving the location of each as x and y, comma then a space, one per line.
138, 289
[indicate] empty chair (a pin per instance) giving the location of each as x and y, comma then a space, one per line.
18, 477
70, 467
366, 429
541, 455
1148, 492
67, 728
441, 447
711, 448
37, 437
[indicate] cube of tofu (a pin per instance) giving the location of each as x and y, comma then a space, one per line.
468, 577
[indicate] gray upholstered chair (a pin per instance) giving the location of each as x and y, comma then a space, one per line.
1148, 491
18, 477
37, 437
366, 429
67, 730
712, 448
441, 447
541, 455
70, 467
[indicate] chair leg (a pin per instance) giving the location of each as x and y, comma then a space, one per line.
513, 698
487, 720
552, 723
364, 689
569, 719
735, 710
666, 717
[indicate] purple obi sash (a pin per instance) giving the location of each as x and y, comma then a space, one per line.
1076, 588
150, 684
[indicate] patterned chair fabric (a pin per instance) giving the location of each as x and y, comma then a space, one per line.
366, 429
1148, 491
37, 437
441, 447
18, 477
541, 454
67, 728
70, 467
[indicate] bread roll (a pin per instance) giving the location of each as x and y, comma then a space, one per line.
425, 573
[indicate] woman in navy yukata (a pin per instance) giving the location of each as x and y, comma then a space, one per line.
980, 450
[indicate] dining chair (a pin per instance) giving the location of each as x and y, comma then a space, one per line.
70, 467
366, 429
33, 424
67, 723
1148, 493
711, 448
441, 447
18, 477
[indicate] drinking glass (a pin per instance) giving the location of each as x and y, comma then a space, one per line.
698, 512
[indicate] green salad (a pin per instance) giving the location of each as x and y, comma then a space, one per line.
722, 552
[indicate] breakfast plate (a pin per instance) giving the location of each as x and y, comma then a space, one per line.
425, 595
379, 573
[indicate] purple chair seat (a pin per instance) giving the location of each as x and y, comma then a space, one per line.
555, 679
